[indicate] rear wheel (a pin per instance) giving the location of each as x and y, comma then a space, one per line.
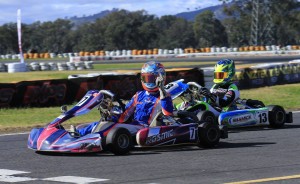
119, 141
276, 116
206, 116
209, 135
255, 103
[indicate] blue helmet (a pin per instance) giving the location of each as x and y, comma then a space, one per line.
150, 71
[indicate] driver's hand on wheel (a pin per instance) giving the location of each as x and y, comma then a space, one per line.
204, 91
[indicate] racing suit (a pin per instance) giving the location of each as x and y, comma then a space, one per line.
143, 106
224, 96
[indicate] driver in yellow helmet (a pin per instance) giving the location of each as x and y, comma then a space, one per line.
224, 92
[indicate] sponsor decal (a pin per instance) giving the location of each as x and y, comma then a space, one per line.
220, 91
241, 119
159, 137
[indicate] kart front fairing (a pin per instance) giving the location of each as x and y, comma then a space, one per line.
54, 137
59, 140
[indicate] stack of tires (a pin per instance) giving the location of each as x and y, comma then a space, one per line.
16, 67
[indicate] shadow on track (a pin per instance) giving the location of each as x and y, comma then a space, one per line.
226, 145
263, 128
160, 150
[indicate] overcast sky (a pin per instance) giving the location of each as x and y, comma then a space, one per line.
42, 10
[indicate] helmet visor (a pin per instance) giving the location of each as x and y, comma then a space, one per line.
148, 77
220, 75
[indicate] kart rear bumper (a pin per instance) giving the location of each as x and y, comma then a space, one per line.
223, 131
289, 117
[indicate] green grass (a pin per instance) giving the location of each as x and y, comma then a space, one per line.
27, 118
287, 95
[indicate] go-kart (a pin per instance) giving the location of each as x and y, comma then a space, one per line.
246, 112
119, 138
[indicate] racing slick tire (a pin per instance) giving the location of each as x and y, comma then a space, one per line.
208, 135
277, 116
255, 103
207, 116
119, 141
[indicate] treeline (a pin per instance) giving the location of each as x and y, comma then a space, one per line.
139, 30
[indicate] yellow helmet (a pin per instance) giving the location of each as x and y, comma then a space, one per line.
224, 71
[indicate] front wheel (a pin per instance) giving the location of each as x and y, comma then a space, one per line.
276, 116
119, 141
209, 135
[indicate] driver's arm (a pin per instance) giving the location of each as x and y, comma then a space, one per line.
167, 105
129, 109
231, 95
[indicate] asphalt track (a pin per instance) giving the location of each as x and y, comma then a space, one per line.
247, 155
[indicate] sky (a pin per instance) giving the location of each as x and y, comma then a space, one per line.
50, 10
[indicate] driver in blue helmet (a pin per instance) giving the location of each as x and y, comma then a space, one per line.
144, 104
224, 92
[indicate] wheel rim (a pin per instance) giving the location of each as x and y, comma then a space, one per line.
123, 141
212, 134
280, 117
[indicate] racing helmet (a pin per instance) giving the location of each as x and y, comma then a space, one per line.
224, 71
150, 71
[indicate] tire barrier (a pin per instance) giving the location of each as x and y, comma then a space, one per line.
268, 75
45, 93
165, 53
16, 67
3, 67
44, 66
260, 75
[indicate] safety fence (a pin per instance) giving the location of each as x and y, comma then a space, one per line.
44, 66
146, 53
44, 93
261, 75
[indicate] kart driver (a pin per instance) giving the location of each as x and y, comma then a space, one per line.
144, 103
224, 92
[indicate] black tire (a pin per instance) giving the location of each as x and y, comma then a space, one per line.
207, 116
208, 135
119, 141
277, 116
255, 103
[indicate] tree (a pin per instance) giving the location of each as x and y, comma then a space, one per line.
56, 36
9, 39
175, 33
209, 31
238, 23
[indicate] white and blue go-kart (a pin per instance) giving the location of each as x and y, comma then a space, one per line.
247, 112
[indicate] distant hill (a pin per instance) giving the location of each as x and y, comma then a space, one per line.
192, 14
92, 18
218, 10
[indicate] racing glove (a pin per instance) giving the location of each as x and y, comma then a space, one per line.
160, 84
205, 92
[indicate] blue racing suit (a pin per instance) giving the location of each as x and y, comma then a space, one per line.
143, 106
